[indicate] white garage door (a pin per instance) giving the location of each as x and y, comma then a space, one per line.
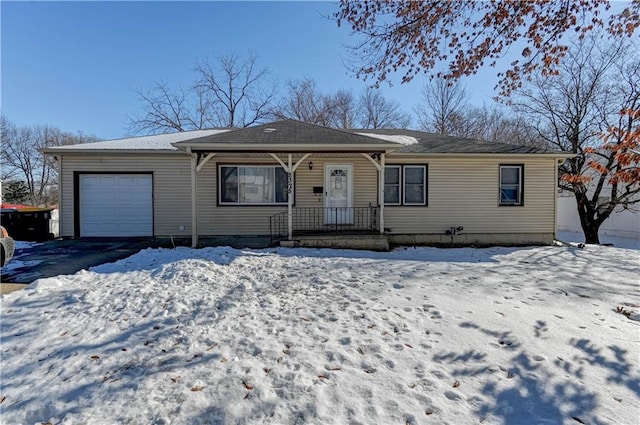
116, 205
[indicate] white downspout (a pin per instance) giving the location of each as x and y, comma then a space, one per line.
194, 203
556, 164
381, 192
290, 197
59, 164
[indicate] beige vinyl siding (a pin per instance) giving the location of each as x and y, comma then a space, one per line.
364, 185
216, 219
464, 192
172, 190
171, 187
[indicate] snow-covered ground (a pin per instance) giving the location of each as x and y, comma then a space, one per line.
283, 336
577, 237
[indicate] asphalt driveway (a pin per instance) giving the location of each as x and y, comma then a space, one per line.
57, 257
67, 256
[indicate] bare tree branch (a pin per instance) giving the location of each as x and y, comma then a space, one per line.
239, 93
165, 111
442, 103
231, 92
23, 161
378, 112
304, 102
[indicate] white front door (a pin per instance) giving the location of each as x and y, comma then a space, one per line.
338, 200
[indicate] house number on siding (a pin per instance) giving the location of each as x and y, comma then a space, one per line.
289, 183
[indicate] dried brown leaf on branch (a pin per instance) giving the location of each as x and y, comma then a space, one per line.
416, 36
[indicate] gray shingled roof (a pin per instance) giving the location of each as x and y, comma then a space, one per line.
291, 132
438, 143
286, 132
158, 142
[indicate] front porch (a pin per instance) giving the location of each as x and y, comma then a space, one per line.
272, 166
317, 227
309, 222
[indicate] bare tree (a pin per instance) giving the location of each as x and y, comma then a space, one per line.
344, 113
166, 110
23, 161
17, 150
304, 102
497, 123
237, 91
232, 92
443, 106
444, 110
572, 110
376, 111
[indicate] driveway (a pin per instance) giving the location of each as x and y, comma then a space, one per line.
57, 257
67, 256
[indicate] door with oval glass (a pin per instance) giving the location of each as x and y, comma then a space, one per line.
338, 200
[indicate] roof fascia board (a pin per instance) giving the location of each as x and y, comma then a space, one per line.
54, 151
457, 154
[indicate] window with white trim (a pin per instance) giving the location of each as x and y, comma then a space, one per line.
252, 185
414, 178
392, 184
511, 187
405, 185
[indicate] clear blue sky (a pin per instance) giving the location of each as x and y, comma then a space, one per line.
75, 65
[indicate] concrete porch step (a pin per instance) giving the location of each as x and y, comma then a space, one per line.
368, 242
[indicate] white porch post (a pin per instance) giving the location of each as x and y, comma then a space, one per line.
290, 168
290, 197
194, 206
381, 193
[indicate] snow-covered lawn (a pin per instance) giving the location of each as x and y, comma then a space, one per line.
630, 243
283, 336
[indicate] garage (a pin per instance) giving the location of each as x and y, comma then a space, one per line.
115, 205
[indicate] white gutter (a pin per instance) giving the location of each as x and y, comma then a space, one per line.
492, 155
381, 193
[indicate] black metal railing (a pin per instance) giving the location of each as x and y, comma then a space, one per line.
319, 220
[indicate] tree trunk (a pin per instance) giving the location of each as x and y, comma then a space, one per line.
591, 233
590, 225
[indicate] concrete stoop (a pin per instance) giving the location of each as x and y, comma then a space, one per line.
368, 242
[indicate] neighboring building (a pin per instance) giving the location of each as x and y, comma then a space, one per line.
412, 187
